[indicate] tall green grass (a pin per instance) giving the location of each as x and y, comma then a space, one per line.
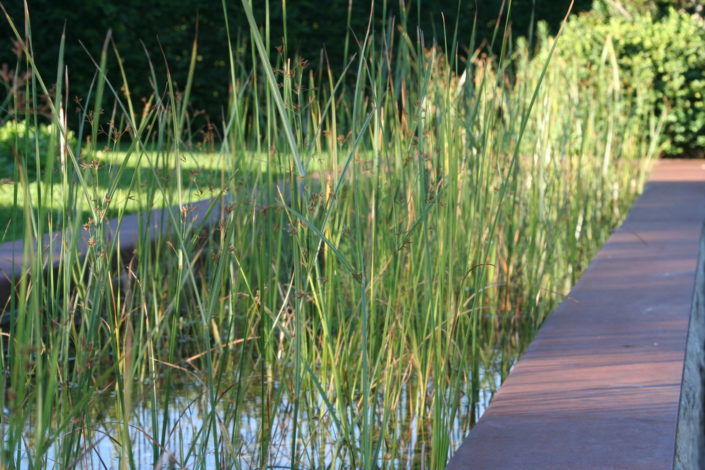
392, 238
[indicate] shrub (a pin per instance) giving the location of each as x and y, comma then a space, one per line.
630, 8
20, 142
665, 56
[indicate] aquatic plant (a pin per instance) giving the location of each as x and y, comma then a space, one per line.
390, 239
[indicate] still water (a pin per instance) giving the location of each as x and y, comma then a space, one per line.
195, 430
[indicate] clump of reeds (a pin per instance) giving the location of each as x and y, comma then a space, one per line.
392, 238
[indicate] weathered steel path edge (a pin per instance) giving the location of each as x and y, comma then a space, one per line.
599, 386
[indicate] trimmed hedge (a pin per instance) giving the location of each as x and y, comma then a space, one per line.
665, 55
168, 27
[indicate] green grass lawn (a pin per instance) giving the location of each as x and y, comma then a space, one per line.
147, 181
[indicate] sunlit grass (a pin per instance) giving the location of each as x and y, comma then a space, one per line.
133, 191
205, 174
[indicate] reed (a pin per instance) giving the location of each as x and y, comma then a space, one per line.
393, 237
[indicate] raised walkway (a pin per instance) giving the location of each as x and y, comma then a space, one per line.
599, 386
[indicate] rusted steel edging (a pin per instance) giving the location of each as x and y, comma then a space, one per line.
599, 386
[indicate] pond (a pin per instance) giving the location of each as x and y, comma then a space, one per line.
184, 430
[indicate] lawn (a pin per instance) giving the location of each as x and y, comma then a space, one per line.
119, 183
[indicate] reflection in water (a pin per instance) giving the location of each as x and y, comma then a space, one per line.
190, 433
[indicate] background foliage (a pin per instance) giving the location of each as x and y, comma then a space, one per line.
656, 51
170, 26
654, 46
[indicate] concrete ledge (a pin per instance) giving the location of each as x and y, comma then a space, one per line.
599, 387
125, 232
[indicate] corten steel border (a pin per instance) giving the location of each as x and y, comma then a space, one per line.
599, 386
